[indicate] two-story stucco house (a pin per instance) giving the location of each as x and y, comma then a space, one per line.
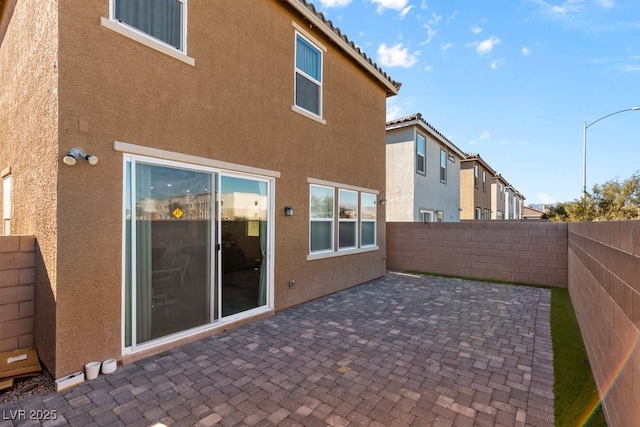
514, 202
498, 197
423, 173
475, 188
186, 166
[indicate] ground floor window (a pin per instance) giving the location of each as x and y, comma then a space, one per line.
356, 215
196, 247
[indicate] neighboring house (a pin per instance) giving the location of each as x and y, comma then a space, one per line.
498, 197
514, 203
241, 163
423, 173
529, 212
475, 188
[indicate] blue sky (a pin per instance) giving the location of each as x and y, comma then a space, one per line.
513, 80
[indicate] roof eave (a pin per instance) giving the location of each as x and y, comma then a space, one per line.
418, 121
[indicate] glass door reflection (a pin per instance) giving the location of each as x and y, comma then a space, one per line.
172, 249
243, 228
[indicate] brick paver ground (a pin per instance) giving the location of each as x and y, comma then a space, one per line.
399, 351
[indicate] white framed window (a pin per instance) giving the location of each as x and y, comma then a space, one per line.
164, 20
421, 154
439, 216
158, 24
347, 219
6, 204
308, 76
478, 213
475, 176
484, 180
321, 218
368, 219
443, 166
427, 215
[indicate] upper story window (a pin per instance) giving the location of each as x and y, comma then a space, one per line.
475, 176
163, 20
443, 166
421, 154
308, 83
158, 24
484, 180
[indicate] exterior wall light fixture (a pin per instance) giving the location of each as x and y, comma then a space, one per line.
288, 211
76, 153
382, 200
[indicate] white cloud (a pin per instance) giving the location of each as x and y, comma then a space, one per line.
606, 4
334, 3
486, 46
567, 6
393, 112
399, 5
445, 46
396, 56
404, 11
476, 29
495, 64
545, 198
431, 31
526, 51
484, 136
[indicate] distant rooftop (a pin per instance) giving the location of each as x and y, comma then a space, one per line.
418, 118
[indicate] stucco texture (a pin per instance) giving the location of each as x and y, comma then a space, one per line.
28, 144
233, 106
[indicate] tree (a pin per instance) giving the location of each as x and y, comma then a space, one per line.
611, 201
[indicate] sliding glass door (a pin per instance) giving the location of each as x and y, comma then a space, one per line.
244, 238
196, 248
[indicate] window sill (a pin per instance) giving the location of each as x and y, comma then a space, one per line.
333, 254
308, 115
147, 41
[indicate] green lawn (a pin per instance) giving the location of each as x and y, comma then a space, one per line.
576, 398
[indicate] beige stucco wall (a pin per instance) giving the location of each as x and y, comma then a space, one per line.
467, 191
470, 196
400, 172
234, 105
28, 144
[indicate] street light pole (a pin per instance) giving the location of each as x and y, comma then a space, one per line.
584, 145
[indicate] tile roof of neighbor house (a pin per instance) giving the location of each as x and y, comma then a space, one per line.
418, 118
476, 157
309, 11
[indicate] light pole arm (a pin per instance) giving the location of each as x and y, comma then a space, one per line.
609, 115
584, 145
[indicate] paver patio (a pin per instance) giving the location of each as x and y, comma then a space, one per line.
398, 351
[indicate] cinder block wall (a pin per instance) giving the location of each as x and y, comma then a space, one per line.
604, 283
17, 279
518, 251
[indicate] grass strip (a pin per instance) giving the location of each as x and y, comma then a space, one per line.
576, 398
